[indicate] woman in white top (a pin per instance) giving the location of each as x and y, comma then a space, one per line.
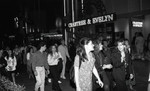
11, 65
53, 59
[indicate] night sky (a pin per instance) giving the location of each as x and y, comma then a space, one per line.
12, 8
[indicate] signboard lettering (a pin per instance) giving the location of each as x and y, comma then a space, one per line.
100, 19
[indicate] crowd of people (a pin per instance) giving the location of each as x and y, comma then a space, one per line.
97, 65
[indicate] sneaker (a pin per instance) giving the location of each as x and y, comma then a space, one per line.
59, 82
49, 80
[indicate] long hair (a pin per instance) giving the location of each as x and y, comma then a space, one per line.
12, 54
82, 43
50, 49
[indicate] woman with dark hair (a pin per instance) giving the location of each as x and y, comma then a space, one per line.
121, 66
84, 66
11, 65
53, 59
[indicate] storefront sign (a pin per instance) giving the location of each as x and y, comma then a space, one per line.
100, 19
137, 24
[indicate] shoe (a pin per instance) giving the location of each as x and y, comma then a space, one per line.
63, 77
59, 82
49, 80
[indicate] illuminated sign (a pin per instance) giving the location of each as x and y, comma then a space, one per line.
100, 19
137, 24
51, 35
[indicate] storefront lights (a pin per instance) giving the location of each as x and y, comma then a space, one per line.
137, 24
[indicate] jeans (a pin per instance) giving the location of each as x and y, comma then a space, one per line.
40, 78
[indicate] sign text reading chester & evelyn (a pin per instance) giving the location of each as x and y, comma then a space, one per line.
95, 20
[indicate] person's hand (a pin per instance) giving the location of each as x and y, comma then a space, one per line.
69, 59
122, 59
131, 76
48, 72
100, 83
35, 73
107, 66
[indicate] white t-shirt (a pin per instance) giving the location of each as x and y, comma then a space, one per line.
53, 59
11, 64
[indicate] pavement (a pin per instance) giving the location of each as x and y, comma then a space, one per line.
30, 83
140, 69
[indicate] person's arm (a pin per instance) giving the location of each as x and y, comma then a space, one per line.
15, 61
149, 77
46, 63
67, 53
130, 66
76, 72
97, 76
28, 56
60, 56
33, 58
77, 76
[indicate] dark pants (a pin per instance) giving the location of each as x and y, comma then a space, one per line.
60, 65
106, 82
119, 77
55, 77
120, 86
110, 77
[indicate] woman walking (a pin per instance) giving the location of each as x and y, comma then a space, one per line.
11, 65
84, 66
53, 58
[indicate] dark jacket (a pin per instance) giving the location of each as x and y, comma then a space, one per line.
101, 59
120, 69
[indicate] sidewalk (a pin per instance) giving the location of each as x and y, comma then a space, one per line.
29, 83
141, 78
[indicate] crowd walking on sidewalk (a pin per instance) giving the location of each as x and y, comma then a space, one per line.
98, 66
